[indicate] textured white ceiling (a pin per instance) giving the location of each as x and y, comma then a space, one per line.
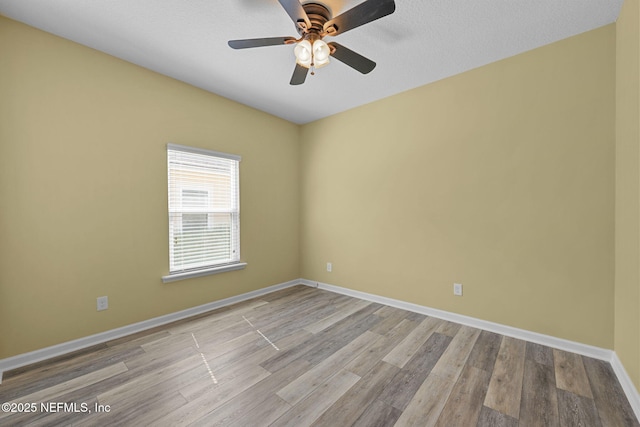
423, 41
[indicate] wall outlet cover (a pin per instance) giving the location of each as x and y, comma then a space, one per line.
102, 303
457, 289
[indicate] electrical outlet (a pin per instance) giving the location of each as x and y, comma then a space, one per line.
329, 267
102, 303
457, 289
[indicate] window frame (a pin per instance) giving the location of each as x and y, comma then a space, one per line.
234, 263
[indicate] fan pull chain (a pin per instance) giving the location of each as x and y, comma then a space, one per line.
313, 68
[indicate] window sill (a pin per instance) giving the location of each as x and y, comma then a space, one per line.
199, 273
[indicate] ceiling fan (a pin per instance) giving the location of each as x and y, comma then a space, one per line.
314, 22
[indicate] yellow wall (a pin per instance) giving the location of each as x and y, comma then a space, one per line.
501, 178
627, 249
83, 190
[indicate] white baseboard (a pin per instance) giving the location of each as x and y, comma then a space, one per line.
70, 346
547, 340
559, 343
627, 384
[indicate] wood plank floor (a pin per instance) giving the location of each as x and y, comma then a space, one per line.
308, 357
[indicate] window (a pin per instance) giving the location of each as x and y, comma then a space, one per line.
204, 212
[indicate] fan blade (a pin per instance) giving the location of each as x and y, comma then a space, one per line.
362, 14
268, 41
299, 75
296, 12
352, 59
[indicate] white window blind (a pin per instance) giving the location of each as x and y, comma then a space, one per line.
204, 211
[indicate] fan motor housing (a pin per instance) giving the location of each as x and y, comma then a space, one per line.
318, 15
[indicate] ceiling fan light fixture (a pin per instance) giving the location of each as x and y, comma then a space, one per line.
308, 55
313, 22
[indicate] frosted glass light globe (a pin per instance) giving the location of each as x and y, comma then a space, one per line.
321, 53
303, 53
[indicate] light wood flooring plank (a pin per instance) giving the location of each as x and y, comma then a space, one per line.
427, 403
242, 408
348, 332
188, 370
213, 351
401, 389
455, 356
316, 403
255, 353
539, 404
336, 317
246, 357
448, 328
262, 415
212, 337
570, 373
429, 400
390, 319
404, 351
505, 388
353, 403
465, 401
231, 366
169, 344
296, 311
233, 373
299, 388
151, 360
298, 319
364, 362
321, 345
388, 311
212, 397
